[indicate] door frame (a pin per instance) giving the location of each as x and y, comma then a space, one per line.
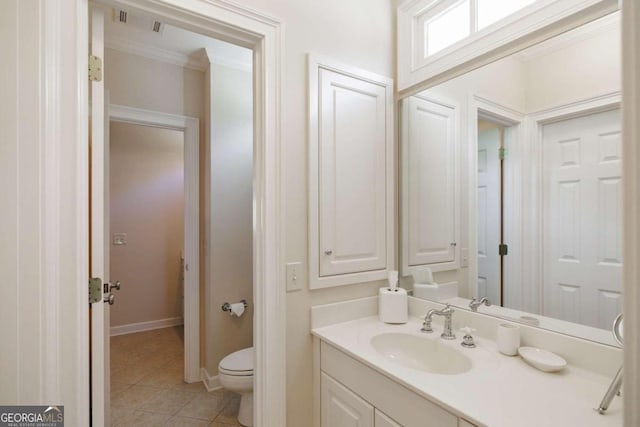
536, 121
265, 36
483, 107
631, 160
190, 126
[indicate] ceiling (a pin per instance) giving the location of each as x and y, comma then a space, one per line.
142, 35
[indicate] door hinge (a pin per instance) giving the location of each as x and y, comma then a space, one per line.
95, 68
503, 249
502, 153
95, 290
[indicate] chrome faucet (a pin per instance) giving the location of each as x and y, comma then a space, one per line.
447, 332
474, 304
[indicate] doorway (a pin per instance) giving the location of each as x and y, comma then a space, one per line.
496, 182
490, 183
263, 35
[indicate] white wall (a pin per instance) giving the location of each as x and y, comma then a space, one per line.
141, 82
146, 202
229, 217
357, 32
586, 69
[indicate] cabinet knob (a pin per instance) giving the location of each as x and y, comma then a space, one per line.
111, 298
329, 252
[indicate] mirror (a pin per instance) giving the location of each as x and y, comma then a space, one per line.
511, 185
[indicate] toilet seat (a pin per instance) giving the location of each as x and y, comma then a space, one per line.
239, 363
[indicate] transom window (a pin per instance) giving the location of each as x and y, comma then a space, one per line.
451, 21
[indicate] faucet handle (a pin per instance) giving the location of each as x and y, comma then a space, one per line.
426, 326
467, 340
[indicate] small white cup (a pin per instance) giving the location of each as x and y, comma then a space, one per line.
508, 339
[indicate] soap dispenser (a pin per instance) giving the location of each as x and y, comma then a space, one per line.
393, 303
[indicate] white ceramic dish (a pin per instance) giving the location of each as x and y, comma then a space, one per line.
542, 359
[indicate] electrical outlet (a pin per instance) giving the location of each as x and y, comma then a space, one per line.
294, 276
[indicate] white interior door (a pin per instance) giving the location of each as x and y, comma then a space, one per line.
99, 267
489, 216
583, 219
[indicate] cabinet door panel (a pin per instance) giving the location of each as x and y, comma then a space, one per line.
341, 407
431, 150
352, 140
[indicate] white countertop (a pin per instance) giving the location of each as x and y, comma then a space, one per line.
498, 391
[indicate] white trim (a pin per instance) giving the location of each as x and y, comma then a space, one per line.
631, 161
132, 328
209, 57
80, 60
211, 383
191, 128
50, 93
315, 63
265, 35
532, 24
480, 106
99, 218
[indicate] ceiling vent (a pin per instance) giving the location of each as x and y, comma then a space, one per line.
137, 20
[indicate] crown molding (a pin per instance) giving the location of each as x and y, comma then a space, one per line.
196, 61
210, 58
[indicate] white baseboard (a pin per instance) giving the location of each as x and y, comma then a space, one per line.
146, 326
210, 383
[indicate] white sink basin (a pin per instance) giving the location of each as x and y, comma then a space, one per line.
430, 355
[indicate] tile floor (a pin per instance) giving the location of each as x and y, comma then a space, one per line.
147, 387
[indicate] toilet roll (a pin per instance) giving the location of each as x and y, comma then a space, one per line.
236, 309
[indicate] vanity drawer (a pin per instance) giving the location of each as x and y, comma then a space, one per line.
398, 402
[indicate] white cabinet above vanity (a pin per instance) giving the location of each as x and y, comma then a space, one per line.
429, 184
351, 175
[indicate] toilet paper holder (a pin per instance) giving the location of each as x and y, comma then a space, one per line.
227, 307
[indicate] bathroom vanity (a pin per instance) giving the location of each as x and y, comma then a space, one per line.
369, 373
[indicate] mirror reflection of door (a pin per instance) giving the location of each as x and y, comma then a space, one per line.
583, 218
490, 269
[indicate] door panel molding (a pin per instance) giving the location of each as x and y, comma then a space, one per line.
533, 255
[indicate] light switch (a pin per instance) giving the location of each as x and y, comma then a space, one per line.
119, 238
294, 276
464, 257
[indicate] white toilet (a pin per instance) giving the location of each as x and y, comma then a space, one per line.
236, 374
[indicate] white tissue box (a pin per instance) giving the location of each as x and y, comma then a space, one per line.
393, 305
435, 291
